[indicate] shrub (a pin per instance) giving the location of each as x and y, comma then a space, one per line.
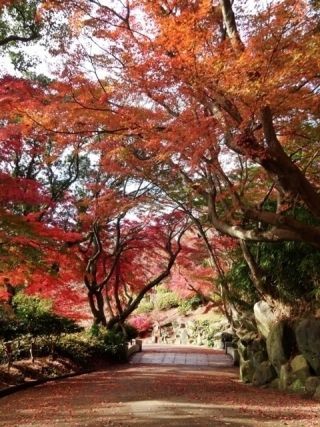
112, 344
141, 323
145, 306
206, 329
77, 347
34, 328
162, 289
129, 333
166, 300
98, 342
28, 307
190, 304
115, 345
9, 326
34, 316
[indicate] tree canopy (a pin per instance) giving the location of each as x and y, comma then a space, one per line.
150, 123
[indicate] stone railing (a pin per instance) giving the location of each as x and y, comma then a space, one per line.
233, 352
135, 347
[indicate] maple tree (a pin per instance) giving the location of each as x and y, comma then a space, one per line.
214, 95
37, 214
244, 116
35, 229
125, 259
223, 87
213, 105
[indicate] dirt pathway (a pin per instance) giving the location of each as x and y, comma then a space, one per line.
156, 395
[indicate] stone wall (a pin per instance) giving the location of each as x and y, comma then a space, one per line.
285, 356
192, 332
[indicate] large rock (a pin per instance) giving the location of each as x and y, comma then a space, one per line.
246, 371
317, 393
311, 384
243, 350
259, 357
285, 377
246, 337
297, 386
257, 352
300, 368
275, 383
264, 374
256, 345
308, 340
245, 322
280, 344
264, 317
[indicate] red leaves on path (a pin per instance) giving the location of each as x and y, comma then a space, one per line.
156, 396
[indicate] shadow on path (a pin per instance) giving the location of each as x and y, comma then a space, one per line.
156, 395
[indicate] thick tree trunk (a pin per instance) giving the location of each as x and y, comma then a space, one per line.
256, 274
10, 290
96, 304
121, 317
284, 172
125, 312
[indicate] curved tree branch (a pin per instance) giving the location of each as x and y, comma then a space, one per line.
13, 38
230, 25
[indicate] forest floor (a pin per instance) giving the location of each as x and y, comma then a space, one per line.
157, 395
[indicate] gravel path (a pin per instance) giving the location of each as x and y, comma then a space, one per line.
157, 395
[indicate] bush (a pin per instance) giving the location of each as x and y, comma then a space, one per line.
77, 347
166, 300
29, 307
111, 344
145, 306
34, 316
129, 333
190, 304
9, 326
291, 272
206, 329
162, 289
98, 342
141, 323
115, 345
